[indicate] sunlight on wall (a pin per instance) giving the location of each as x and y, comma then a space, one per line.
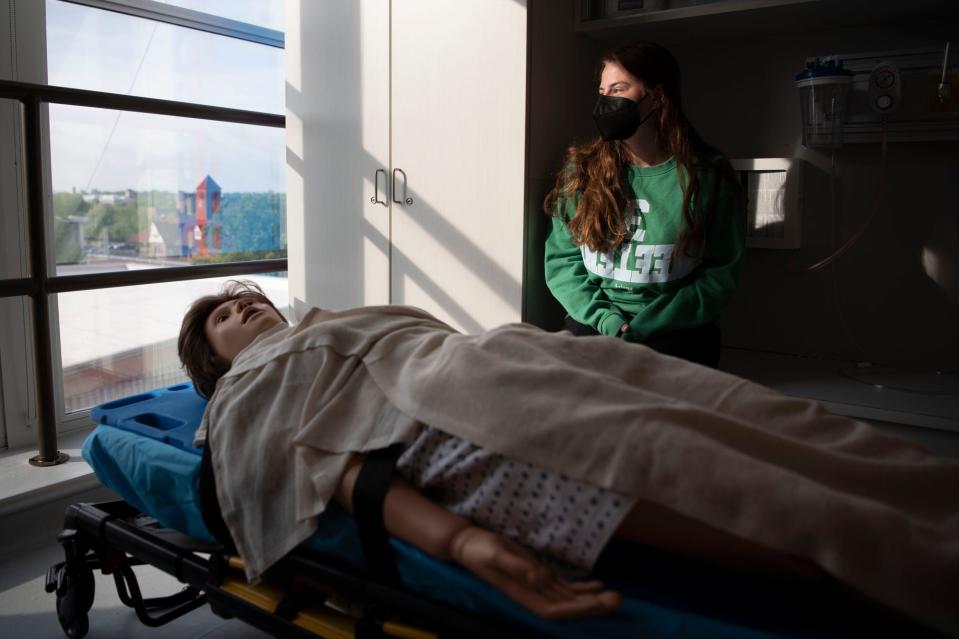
294, 78
296, 254
943, 269
373, 280
294, 135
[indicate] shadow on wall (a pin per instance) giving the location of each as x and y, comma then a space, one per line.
352, 121
894, 297
940, 251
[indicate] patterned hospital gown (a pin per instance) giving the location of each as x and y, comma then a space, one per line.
558, 517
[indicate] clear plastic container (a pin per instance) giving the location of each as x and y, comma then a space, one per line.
823, 93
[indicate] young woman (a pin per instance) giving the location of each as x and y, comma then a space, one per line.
501, 456
648, 220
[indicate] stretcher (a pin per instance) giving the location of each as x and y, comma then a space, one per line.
340, 584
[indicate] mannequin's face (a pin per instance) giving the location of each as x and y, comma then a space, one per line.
234, 324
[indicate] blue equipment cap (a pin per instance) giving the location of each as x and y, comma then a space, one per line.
821, 68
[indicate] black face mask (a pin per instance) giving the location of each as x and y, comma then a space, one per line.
618, 118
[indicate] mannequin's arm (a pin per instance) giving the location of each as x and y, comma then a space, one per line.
497, 560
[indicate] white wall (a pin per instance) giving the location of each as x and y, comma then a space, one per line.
438, 90
337, 96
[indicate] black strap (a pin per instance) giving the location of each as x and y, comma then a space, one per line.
210, 506
369, 493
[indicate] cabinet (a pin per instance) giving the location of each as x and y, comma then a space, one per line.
406, 127
701, 21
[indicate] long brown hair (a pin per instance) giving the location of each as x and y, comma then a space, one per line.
597, 169
202, 364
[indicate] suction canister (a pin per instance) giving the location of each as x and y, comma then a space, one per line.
823, 92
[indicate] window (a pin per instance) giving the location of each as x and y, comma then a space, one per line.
99, 50
149, 199
137, 190
254, 12
117, 342
20, 59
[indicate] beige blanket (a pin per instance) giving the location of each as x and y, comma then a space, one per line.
874, 511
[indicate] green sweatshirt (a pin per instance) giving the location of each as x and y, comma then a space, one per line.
644, 281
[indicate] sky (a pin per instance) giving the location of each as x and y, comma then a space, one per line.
108, 150
264, 13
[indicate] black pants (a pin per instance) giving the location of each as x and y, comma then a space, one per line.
700, 345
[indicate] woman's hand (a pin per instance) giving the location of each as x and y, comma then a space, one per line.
513, 569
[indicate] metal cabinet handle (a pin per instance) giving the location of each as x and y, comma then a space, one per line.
376, 187
408, 200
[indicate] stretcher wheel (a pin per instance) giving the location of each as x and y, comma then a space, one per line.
88, 589
74, 600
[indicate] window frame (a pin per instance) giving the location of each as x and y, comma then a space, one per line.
23, 60
36, 281
190, 18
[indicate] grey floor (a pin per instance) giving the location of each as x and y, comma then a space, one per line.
28, 546
26, 610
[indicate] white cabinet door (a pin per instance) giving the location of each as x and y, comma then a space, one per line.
432, 90
337, 95
458, 112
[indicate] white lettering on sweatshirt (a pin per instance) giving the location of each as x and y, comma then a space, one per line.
634, 262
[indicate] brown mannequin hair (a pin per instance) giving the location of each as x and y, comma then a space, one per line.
202, 364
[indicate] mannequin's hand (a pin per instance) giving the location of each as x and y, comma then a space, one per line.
513, 569
623, 329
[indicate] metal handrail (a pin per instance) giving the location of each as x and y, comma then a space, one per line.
26, 92
40, 284
114, 279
